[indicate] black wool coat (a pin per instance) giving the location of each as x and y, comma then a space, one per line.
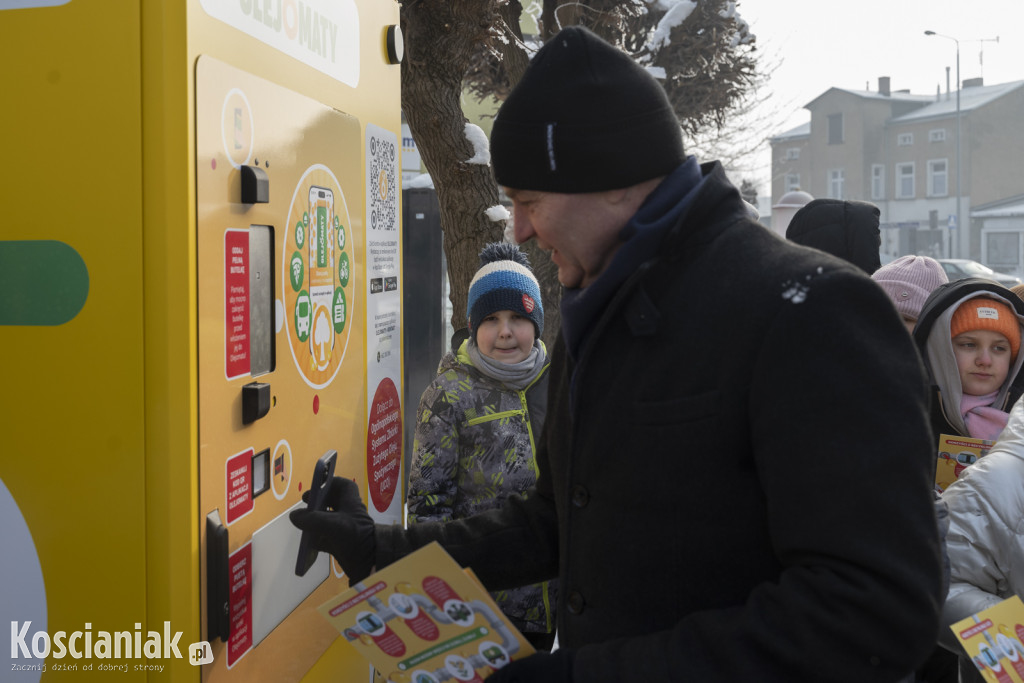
740, 488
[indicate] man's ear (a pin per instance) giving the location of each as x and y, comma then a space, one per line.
633, 196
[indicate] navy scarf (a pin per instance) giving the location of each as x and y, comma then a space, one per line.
642, 236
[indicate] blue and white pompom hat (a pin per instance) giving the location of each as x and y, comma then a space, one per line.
504, 283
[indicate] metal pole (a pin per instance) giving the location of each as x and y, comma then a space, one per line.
959, 223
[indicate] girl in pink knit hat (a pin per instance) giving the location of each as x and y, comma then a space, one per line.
908, 280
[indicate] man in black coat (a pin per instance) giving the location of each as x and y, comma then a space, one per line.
735, 472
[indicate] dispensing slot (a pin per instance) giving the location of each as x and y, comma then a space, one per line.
276, 590
218, 623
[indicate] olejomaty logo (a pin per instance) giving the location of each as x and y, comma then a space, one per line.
89, 644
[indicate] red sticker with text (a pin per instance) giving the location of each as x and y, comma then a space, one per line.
238, 480
236, 303
240, 603
384, 445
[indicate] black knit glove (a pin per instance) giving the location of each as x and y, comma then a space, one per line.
543, 667
344, 530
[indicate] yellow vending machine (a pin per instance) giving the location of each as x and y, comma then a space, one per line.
200, 299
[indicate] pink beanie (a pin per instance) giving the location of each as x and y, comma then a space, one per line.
909, 280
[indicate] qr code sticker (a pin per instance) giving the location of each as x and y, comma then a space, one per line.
382, 176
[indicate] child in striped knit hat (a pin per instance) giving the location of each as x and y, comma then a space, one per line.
479, 419
506, 316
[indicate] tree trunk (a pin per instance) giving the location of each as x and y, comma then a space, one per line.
513, 53
440, 38
550, 290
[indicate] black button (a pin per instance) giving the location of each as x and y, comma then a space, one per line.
580, 496
255, 185
576, 602
255, 401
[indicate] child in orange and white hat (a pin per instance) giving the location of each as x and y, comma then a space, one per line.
986, 339
969, 333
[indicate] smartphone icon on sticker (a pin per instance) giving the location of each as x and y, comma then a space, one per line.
321, 238
321, 273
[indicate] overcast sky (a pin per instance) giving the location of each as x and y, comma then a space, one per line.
818, 45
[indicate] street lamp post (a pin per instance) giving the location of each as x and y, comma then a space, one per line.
959, 223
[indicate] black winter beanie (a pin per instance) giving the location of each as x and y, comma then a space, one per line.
848, 229
584, 118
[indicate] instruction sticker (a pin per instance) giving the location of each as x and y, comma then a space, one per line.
239, 485
236, 303
384, 441
240, 601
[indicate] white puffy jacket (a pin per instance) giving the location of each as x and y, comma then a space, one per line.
986, 527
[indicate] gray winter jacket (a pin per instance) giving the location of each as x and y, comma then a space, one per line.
473, 448
986, 532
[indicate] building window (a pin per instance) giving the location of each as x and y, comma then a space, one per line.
1002, 251
792, 182
835, 183
792, 153
835, 129
905, 139
938, 178
877, 181
904, 181
937, 135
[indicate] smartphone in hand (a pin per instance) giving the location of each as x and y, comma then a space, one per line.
323, 471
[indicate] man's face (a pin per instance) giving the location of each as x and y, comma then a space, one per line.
580, 230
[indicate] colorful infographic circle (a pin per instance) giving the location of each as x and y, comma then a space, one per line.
316, 265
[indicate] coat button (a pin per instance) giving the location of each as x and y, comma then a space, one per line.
575, 602
580, 496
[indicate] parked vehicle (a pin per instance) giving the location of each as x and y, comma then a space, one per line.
958, 268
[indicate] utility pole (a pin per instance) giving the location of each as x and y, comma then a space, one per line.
959, 223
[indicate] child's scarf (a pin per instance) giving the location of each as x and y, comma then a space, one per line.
982, 420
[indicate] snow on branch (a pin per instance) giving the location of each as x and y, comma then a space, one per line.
478, 138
